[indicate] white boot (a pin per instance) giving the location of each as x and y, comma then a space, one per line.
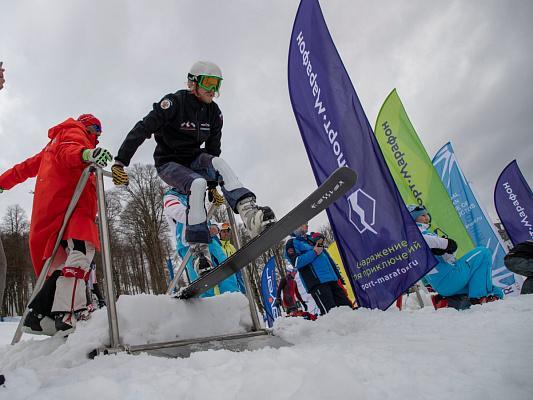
256, 219
201, 258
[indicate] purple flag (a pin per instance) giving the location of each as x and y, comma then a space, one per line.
514, 203
380, 245
269, 291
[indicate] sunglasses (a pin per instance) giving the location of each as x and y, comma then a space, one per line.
209, 82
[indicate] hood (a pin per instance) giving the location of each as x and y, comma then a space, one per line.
71, 124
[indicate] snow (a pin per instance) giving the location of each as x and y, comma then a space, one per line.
481, 353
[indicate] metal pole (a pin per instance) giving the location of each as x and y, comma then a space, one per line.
44, 272
186, 259
246, 276
114, 337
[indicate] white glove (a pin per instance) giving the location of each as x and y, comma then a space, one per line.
98, 156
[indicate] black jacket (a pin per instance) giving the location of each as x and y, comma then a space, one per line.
180, 124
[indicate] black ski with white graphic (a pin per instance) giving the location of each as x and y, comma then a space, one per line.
331, 190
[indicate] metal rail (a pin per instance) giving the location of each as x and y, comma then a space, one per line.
245, 274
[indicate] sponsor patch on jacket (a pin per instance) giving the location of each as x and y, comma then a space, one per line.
188, 126
205, 127
165, 104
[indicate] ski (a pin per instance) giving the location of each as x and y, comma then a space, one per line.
326, 194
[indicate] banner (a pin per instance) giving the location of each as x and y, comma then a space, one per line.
333, 251
378, 241
514, 203
413, 172
477, 223
269, 290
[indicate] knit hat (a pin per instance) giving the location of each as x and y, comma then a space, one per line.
416, 211
90, 120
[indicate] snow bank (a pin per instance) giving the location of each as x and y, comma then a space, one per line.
482, 353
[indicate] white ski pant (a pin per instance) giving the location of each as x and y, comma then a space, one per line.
70, 294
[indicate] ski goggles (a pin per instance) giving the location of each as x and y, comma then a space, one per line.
209, 82
96, 128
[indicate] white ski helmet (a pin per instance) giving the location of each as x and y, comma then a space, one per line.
204, 68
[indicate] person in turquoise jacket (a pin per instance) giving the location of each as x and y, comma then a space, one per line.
470, 274
175, 210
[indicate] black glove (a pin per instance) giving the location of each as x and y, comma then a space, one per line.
438, 252
452, 246
101, 303
276, 303
304, 305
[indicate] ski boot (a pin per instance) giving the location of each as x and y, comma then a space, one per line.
256, 219
38, 324
65, 322
201, 258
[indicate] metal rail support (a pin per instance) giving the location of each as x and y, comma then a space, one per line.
114, 337
46, 268
245, 274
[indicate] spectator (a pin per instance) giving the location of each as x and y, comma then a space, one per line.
520, 261
175, 210
58, 168
471, 274
229, 249
288, 293
318, 272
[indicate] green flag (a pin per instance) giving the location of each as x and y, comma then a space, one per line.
413, 171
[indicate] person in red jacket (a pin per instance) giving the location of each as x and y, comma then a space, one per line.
58, 168
289, 288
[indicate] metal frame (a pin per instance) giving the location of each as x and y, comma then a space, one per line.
115, 344
245, 274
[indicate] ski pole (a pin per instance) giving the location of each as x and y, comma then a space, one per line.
44, 272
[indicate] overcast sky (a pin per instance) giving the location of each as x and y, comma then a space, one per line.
463, 69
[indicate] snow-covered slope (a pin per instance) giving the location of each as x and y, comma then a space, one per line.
482, 353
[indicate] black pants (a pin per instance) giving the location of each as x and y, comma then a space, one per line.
329, 295
522, 266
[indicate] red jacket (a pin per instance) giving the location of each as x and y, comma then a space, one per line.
58, 168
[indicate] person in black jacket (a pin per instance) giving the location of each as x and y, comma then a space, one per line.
187, 127
520, 261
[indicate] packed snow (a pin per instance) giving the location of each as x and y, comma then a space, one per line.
481, 353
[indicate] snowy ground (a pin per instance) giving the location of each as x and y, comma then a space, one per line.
482, 353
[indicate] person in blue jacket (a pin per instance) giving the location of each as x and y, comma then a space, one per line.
175, 210
318, 272
470, 274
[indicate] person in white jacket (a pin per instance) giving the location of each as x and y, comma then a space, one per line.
470, 274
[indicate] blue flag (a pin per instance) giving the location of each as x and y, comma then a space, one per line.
514, 203
269, 290
379, 243
474, 218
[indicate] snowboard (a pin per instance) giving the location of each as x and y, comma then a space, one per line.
337, 184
